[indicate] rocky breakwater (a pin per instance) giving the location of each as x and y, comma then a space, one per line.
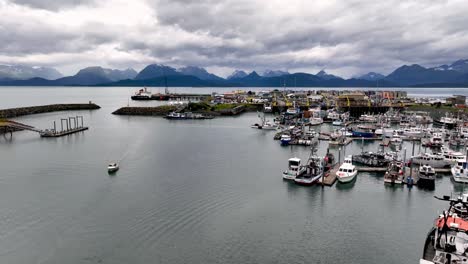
146, 111
30, 110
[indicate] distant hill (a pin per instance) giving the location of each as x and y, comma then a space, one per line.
200, 73
156, 70
325, 76
272, 73
418, 75
171, 80
371, 76
22, 72
237, 74
451, 75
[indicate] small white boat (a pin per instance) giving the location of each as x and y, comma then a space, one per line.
112, 167
294, 169
460, 172
347, 171
396, 140
337, 123
315, 121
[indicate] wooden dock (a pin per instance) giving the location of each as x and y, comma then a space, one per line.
344, 142
384, 169
366, 139
330, 176
385, 142
63, 133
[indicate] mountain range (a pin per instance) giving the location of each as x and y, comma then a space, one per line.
447, 75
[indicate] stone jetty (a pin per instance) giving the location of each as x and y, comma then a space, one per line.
22, 111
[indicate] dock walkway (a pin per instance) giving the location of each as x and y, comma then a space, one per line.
330, 177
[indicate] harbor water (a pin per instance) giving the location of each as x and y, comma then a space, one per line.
193, 191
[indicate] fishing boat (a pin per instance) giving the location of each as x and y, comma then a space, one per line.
447, 240
394, 173
285, 139
112, 167
413, 132
347, 171
460, 172
446, 122
315, 119
371, 159
267, 109
264, 124
314, 171
364, 131
427, 176
368, 119
433, 160
436, 141
294, 169
142, 94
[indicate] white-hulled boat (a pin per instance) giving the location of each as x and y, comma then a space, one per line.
314, 171
434, 160
396, 140
394, 173
427, 176
337, 123
112, 167
460, 172
347, 171
294, 169
315, 118
437, 140
452, 157
413, 132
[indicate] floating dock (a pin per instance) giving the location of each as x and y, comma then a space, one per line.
330, 176
63, 133
384, 169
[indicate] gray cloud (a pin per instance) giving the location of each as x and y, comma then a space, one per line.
51, 4
345, 37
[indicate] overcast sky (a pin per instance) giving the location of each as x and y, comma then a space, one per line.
344, 37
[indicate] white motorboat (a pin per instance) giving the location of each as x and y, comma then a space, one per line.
315, 118
112, 167
453, 157
413, 132
337, 123
460, 172
437, 140
396, 140
368, 118
294, 169
427, 176
434, 160
347, 171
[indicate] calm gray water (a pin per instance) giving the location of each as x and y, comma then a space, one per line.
207, 191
